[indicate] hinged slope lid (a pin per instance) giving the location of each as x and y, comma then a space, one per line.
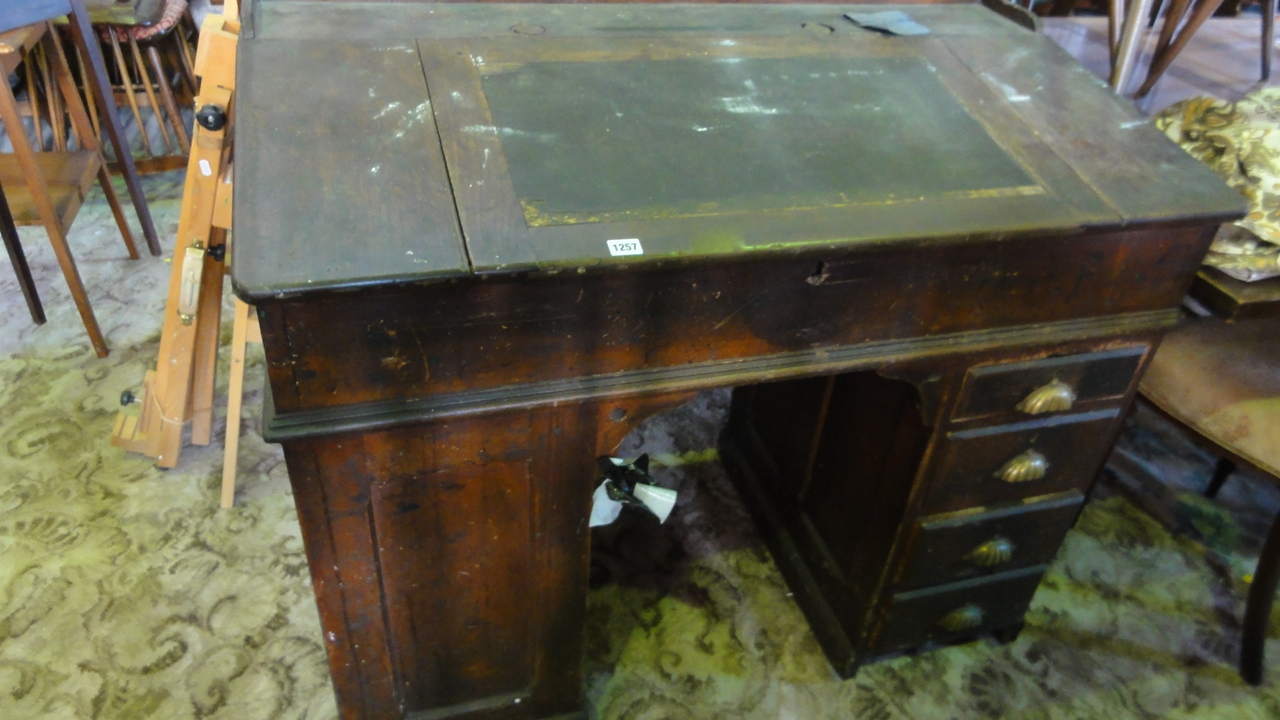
339, 178
567, 128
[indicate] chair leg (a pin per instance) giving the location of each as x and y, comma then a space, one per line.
184, 55
88, 94
19, 261
151, 93
1172, 19
1130, 43
1257, 609
104, 180
1221, 471
166, 92
80, 120
49, 216
130, 93
57, 121
29, 62
1203, 12
1268, 36
86, 43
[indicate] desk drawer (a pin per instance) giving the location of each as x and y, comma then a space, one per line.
958, 609
1037, 387
995, 465
966, 544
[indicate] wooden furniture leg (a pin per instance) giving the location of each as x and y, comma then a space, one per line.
181, 57
19, 260
86, 43
54, 46
88, 101
1173, 18
1268, 36
57, 121
1130, 42
166, 93
48, 215
34, 103
80, 121
1161, 63
131, 94
147, 85
1221, 471
1257, 609
1115, 25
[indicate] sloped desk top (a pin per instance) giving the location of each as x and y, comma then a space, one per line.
398, 143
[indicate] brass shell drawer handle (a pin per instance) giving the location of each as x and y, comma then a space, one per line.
1056, 396
1028, 466
962, 618
996, 551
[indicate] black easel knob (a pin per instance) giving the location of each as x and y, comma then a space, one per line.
211, 117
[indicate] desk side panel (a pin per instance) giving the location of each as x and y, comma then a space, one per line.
450, 559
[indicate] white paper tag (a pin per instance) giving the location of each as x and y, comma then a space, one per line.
205, 168
625, 247
604, 509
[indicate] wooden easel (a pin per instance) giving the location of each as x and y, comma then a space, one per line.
180, 389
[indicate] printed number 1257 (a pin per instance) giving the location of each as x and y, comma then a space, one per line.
625, 247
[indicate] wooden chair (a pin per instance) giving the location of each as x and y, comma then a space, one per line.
1174, 38
16, 14
150, 82
48, 188
1221, 381
1128, 21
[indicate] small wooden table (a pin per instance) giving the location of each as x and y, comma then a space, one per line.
485, 241
1233, 299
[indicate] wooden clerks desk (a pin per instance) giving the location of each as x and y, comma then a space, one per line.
485, 241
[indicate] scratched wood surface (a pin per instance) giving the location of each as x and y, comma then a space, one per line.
561, 131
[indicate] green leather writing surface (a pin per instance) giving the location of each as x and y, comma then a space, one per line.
653, 139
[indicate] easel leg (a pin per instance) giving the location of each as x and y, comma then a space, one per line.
205, 359
235, 395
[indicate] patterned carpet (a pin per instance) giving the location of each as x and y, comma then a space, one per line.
126, 593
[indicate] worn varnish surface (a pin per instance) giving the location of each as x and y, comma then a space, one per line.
980, 97
350, 186
424, 196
